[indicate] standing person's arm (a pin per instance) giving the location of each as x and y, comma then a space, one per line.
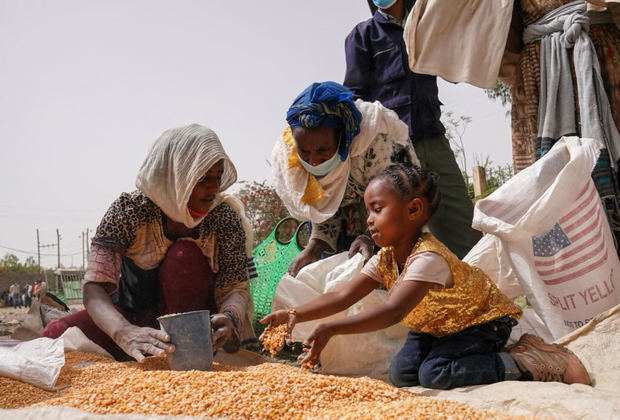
358, 65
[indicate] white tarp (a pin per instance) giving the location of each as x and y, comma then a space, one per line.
596, 345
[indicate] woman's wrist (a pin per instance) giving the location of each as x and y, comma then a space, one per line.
316, 247
233, 318
365, 238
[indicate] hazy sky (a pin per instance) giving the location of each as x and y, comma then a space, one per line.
87, 86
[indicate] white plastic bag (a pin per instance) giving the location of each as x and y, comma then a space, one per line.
554, 233
367, 354
489, 255
75, 340
36, 362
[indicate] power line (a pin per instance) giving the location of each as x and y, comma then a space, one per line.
43, 255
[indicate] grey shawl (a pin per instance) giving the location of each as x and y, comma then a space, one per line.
563, 28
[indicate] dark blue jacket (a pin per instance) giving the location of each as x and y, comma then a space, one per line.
378, 69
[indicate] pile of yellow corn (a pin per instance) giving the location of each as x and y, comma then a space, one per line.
265, 391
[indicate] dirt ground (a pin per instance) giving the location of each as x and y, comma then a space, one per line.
11, 318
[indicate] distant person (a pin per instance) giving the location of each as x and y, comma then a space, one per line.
28, 295
10, 294
323, 161
459, 321
177, 244
377, 69
22, 296
35, 289
17, 302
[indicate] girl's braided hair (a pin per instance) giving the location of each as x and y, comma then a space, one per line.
412, 181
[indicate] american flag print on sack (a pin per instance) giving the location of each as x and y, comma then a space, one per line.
576, 244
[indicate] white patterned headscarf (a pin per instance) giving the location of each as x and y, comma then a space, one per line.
175, 163
291, 182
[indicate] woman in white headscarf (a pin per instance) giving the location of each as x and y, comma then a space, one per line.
176, 244
323, 161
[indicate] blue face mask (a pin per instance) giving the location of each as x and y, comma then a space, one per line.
383, 4
324, 168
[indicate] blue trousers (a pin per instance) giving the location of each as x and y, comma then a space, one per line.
469, 357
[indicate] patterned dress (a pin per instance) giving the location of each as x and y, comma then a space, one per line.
130, 244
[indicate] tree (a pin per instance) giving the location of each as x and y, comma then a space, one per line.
30, 265
11, 264
500, 92
455, 130
263, 208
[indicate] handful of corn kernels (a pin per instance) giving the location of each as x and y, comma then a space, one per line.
273, 338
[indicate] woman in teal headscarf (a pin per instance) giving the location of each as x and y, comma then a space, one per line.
329, 150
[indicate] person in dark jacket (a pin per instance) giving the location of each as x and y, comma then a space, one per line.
377, 70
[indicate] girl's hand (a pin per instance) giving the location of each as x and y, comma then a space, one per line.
276, 318
364, 245
317, 342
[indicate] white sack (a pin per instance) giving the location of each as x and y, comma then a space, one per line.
75, 340
367, 354
459, 41
489, 255
552, 230
36, 362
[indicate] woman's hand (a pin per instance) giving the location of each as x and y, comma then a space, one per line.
317, 342
133, 340
224, 333
137, 341
311, 253
364, 245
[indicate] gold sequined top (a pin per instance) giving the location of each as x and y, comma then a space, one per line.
473, 299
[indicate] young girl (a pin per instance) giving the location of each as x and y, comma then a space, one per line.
459, 320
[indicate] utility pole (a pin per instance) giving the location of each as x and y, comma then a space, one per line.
83, 254
87, 247
58, 246
38, 251
45, 246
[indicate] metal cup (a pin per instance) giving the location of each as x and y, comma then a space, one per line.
190, 332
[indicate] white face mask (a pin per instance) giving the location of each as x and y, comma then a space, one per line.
383, 4
322, 169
